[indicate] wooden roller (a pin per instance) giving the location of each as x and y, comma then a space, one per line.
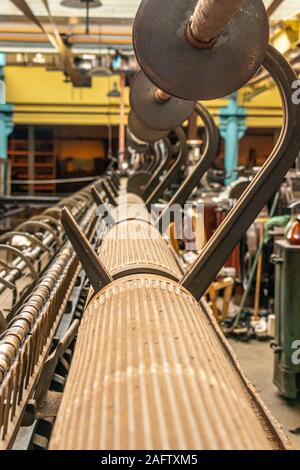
135, 246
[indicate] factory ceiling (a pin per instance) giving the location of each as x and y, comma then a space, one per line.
109, 26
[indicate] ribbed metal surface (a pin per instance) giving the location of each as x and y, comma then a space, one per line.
130, 198
130, 206
150, 371
134, 247
131, 211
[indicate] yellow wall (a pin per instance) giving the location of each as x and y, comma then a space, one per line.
42, 97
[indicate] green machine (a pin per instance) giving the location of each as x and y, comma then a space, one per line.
287, 309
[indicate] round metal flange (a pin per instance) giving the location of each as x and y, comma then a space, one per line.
142, 132
161, 116
136, 144
190, 73
138, 181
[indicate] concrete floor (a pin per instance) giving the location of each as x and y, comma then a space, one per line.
256, 359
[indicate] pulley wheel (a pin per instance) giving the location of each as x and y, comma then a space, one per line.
142, 132
190, 73
138, 181
136, 144
153, 113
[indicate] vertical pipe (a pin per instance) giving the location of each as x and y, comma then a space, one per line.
31, 158
232, 129
122, 122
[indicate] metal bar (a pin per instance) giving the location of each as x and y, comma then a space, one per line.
122, 121
162, 96
211, 16
31, 159
262, 188
273, 6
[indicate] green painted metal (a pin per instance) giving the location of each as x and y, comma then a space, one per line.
232, 129
6, 123
287, 309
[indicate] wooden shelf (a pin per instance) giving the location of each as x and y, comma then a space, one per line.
44, 166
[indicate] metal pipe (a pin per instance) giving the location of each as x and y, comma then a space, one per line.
209, 19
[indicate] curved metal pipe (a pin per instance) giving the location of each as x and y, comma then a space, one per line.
173, 172
160, 169
209, 154
262, 188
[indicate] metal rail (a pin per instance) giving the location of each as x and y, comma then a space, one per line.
42, 237
25, 345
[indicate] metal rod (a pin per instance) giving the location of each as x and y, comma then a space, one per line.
161, 96
210, 17
122, 126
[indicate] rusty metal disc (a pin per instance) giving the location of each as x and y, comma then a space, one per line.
138, 181
153, 113
142, 132
136, 144
190, 73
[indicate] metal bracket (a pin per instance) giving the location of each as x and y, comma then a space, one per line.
96, 272
108, 194
51, 363
104, 210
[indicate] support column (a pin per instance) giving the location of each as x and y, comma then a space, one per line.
6, 128
31, 159
232, 129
